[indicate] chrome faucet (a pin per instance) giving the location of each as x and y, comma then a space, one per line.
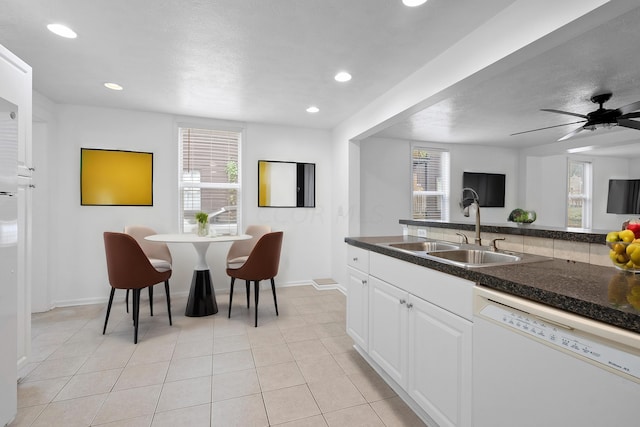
494, 246
464, 237
470, 201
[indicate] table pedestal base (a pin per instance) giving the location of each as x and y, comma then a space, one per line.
202, 299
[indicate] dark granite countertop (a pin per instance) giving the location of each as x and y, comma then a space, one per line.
596, 292
571, 234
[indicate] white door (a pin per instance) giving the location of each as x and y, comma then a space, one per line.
358, 307
388, 328
439, 377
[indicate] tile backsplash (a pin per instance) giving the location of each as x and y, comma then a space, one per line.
591, 253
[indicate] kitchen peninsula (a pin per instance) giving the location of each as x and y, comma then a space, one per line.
576, 286
433, 329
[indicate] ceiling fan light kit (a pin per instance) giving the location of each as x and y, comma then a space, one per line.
600, 118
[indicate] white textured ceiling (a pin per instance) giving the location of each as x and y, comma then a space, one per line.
604, 59
267, 60
247, 60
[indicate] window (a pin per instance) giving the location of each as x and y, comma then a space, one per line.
579, 194
430, 186
209, 178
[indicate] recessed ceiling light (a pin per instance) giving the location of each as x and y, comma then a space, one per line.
413, 3
342, 76
313, 109
62, 31
113, 86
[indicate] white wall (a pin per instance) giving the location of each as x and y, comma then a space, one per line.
306, 245
546, 189
488, 159
44, 134
77, 266
385, 182
546, 193
605, 168
385, 185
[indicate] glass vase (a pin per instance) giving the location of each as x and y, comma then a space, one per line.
203, 229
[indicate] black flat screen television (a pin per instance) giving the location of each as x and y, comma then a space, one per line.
489, 186
624, 196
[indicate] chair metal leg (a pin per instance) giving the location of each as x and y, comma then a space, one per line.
256, 290
136, 314
127, 300
166, 290
233, 280
106, 319
248, 286
273, 289
151, 299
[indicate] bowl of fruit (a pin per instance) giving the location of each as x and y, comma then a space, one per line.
624, 247
522, 217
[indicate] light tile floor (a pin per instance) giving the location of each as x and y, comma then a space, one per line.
297, 369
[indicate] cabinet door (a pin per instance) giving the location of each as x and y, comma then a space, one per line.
439, 378
387, 328
358, 307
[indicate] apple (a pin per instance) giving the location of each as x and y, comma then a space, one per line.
635, 227
613, 236
618, 248
627, 236
634, 254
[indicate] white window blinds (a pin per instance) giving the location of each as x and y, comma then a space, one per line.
209, 179
579, 194
430, 186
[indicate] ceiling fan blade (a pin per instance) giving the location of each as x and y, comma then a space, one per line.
634, 106
571, 134
548, 127
550, 110
630, 116
629, 123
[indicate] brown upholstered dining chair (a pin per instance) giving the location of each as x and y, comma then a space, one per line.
157, 252
240, 249
129, 268
262, 264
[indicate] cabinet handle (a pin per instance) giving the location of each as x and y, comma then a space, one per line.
402, 301
409, 305
364, 283
355, 259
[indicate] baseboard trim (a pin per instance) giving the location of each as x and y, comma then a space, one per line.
221, 291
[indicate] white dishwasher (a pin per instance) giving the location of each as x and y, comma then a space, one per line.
538, 366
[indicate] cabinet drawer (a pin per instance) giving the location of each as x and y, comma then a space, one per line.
449, 292
358, 258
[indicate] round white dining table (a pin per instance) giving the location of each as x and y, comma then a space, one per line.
202, 298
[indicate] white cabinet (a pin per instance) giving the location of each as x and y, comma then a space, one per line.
358, 296
419, 333
388, 329
358, 307
439, 366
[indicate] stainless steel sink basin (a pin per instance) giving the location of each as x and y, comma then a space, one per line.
466, 256
475, 257
424, 246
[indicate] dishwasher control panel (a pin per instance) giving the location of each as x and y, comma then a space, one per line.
558, 336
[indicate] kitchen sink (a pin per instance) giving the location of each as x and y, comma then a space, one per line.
479, 257
462, 255
427, 246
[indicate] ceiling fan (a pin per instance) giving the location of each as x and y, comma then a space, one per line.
602, 117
